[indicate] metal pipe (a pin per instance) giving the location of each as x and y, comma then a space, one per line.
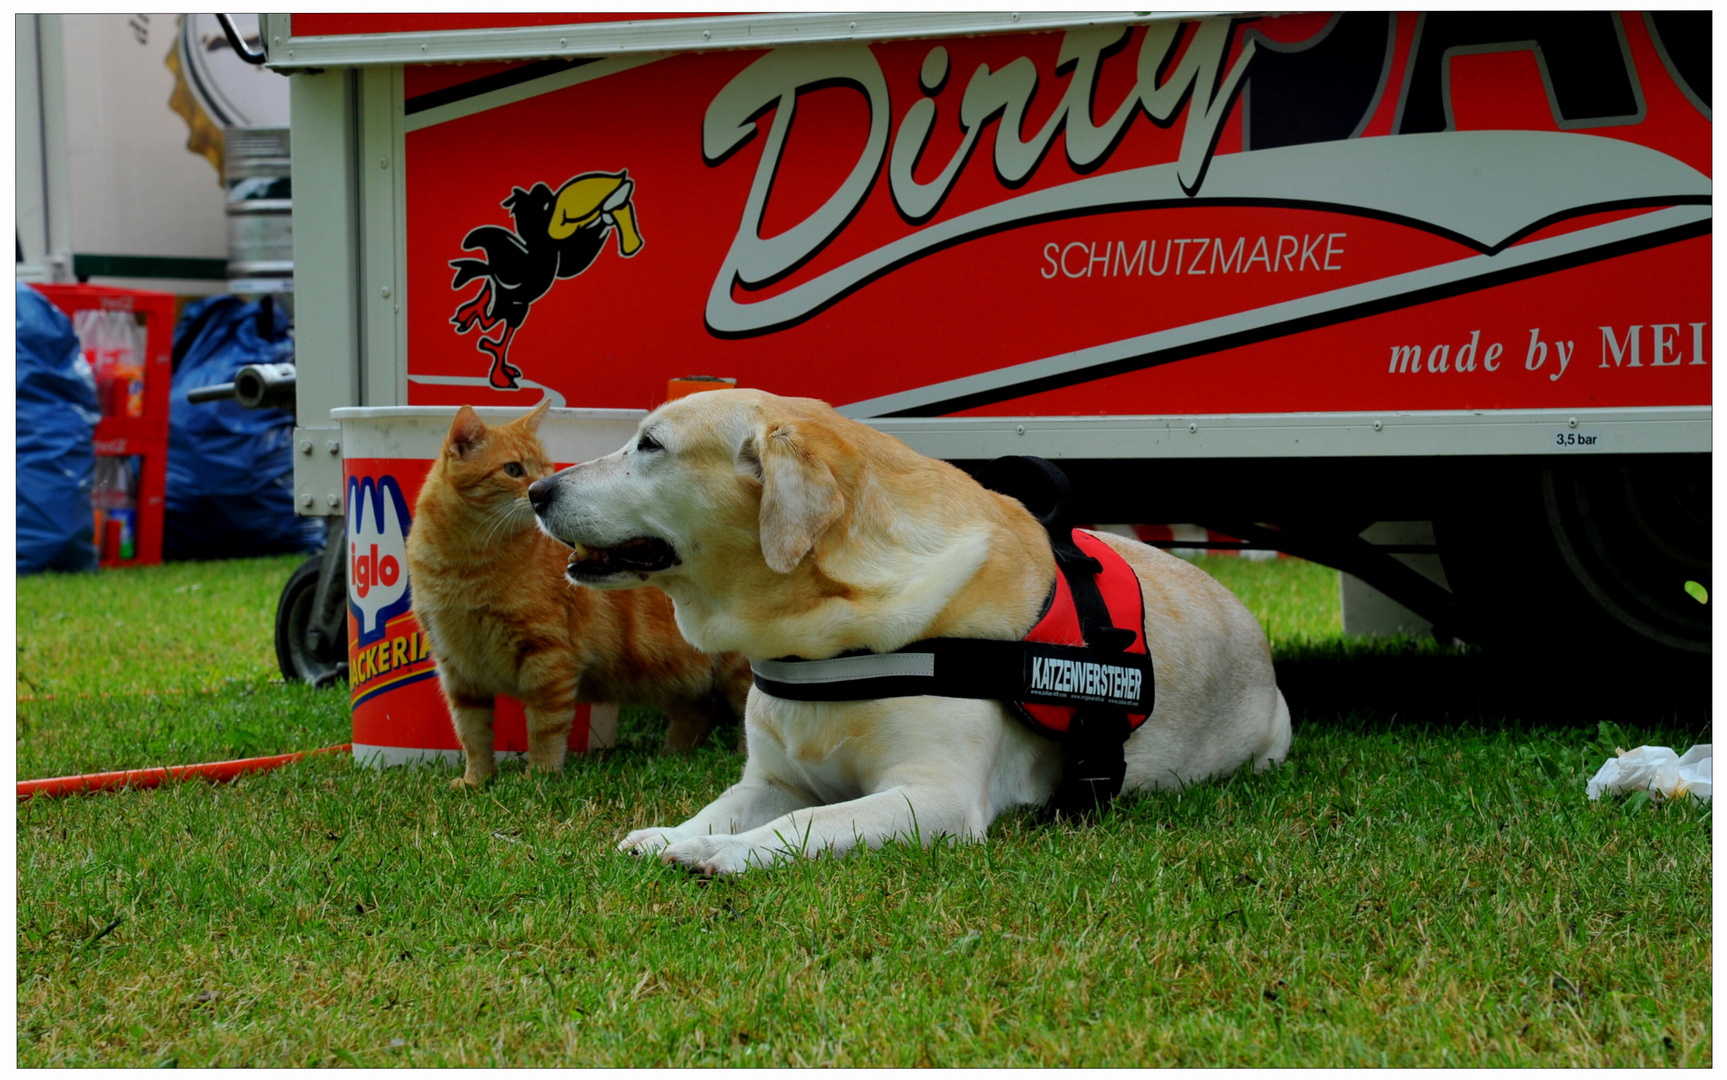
255, 386
241, 49
217, 392
265, 386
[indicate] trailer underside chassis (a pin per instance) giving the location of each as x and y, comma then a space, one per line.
1562, 557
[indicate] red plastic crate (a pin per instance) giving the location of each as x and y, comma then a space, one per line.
143, 436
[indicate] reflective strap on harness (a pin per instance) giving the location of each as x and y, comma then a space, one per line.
969, 668
851, 670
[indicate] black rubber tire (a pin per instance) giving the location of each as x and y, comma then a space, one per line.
327, 666
1586, 560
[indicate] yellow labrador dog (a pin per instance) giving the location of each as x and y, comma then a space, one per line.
780, 528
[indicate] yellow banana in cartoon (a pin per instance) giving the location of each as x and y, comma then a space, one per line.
595, 196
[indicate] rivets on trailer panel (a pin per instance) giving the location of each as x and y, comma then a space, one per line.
333, 500
563, 43
422, 48
853, 26
385, 292
334, 446
1192, 429
383, 163
706, 34
1573, 421
1019, 429
306, 448
306, 499
1014, 16
1377, 426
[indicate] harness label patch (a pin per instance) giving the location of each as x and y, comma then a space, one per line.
1054, 677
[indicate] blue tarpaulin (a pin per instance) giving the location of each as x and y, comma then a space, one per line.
57, 416
230, 469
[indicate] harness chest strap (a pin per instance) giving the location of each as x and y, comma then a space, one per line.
1012, 671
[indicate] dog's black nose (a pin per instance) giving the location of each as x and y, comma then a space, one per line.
541, 493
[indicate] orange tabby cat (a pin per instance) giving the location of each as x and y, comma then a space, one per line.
489, 590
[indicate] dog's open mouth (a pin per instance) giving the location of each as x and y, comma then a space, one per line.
643, 555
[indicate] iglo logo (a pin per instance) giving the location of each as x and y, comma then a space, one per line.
378, 524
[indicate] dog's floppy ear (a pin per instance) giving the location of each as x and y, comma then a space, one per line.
531, 420
466, 432
800, 497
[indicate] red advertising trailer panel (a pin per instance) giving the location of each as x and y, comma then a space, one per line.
1191, 218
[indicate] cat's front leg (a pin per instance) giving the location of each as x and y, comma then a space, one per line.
548, 736
473, 718
548, 679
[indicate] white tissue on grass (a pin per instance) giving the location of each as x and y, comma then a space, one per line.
1658, 769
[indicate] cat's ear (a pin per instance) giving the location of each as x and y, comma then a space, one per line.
800, 497
532, 420
467, 431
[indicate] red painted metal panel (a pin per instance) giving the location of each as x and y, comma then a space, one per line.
1210, 219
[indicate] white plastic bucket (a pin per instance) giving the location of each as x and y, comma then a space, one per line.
399, 715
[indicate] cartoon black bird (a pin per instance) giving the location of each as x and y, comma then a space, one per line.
558, 235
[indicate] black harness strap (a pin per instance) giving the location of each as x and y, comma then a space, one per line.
1095, 767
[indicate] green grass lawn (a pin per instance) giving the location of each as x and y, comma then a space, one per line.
1423, 883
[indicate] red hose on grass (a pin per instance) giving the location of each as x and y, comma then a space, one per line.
214, 771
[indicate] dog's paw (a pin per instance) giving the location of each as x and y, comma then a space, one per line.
713, 856
647, 841
470, 780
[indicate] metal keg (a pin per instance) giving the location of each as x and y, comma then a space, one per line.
256, 167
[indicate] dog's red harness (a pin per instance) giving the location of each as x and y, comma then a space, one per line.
1125, 608
1081, 674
